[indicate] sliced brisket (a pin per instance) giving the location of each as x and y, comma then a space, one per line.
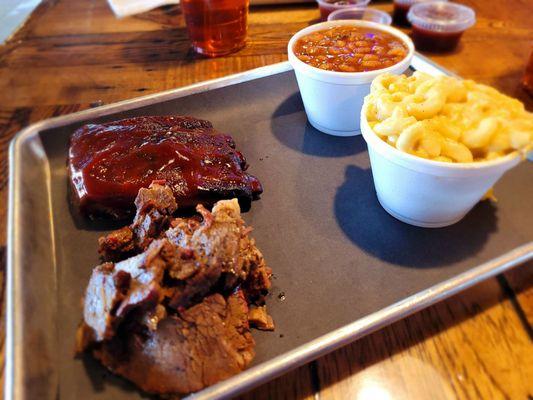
203, 345
175, 317
155, 206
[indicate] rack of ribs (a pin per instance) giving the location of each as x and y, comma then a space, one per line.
108, 163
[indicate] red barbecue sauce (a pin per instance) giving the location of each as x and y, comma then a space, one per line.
109, 163
427, 40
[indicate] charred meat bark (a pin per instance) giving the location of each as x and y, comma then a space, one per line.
155, 207
108, 164
176, 317
259, 318
220, 238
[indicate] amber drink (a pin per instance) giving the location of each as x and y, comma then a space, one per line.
527, 80
216, 27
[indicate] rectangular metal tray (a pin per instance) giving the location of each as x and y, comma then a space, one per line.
343, 266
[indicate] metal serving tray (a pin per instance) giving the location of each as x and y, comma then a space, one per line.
343, 266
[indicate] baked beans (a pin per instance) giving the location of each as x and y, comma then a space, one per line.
350, 49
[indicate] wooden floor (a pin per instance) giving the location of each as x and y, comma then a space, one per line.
72, 55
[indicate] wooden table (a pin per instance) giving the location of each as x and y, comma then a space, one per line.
74, 54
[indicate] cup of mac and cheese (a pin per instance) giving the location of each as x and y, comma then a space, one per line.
438, 144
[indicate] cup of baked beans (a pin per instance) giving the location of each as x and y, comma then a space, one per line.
335, 63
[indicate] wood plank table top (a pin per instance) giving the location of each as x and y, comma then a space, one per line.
72, 55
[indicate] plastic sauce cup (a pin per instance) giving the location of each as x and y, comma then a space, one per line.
332, 99
428, 193
365, 14
438, 26
401, 8
327, 7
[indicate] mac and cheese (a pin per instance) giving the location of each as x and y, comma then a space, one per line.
447, 119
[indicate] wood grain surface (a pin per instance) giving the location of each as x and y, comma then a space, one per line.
72, 55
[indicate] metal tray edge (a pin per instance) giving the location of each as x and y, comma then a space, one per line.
422, 63
419, 62
290, 360
10, 376
12, 254
269, 370
142, 101
9, 349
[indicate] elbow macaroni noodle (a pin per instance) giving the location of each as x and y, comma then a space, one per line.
447, 119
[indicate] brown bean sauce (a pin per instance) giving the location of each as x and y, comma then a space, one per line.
350, 49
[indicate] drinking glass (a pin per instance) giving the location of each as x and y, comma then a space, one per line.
216, 27
527, 80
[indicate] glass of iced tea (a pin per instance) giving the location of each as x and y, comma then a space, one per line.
216, 27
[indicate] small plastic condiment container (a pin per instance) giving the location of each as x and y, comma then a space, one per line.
401, 8
327, 7
332, 99
365, 14
438, 26
427, 193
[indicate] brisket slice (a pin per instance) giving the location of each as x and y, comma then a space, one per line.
161, 273
219, 238
175, 318
203, 345
116, 289
108, 163
155, 206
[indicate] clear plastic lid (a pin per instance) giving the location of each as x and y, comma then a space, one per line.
441, 16
365, 14
342, 4
411, 2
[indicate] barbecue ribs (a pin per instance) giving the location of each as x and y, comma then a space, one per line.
108, 164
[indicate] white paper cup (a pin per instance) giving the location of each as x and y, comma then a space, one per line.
428, 193
333, 100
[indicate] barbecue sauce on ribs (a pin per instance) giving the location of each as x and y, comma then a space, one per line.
108, 164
